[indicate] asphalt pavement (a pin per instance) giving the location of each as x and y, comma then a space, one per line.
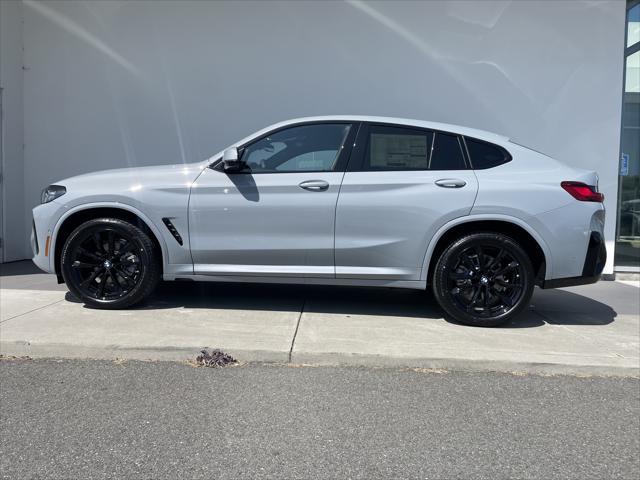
139, 420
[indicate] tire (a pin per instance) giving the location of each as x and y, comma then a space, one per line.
109, 263
483, 280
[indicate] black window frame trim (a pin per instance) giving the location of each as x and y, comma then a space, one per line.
633, 48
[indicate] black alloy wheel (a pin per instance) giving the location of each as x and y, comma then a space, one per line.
484, 279
109, 263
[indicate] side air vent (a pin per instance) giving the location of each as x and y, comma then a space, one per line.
173, 230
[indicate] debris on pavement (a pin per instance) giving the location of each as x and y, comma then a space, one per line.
438, 371
214, 358
15, 357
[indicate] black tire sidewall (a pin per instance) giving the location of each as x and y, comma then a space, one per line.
450, 255
148, 262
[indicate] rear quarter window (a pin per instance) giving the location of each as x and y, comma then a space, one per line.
485, 155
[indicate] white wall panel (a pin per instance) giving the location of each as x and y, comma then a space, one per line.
14, 224
111, 84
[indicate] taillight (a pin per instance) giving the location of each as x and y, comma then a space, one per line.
583, 192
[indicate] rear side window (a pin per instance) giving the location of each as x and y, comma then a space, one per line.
486, 155
392, 148
397, 148
446, 153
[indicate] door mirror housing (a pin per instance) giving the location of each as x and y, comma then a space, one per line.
231, 160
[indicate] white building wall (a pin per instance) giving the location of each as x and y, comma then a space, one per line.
112, 84
13, 222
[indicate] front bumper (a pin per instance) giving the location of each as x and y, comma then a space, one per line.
40, 255
594, 262
35, 248
44, 221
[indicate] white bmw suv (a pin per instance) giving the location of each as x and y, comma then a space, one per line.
340, 200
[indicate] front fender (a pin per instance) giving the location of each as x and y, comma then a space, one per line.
117, 205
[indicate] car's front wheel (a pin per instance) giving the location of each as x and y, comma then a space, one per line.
483, 279
110, 263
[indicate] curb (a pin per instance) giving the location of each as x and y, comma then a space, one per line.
457, 364
112, 352
179, 354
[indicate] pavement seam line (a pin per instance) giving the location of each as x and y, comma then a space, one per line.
295, 333
31, 311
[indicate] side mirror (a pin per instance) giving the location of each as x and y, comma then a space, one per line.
230, 160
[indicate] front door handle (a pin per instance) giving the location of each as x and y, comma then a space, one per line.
451, 183
315, 185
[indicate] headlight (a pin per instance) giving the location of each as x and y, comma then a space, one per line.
52, 192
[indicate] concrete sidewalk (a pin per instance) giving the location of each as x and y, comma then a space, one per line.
593, 329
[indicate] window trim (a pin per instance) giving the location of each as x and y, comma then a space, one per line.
357, 160
631, 49
341, 162
507, 155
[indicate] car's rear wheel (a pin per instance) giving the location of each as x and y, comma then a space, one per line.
483, 279
109, 263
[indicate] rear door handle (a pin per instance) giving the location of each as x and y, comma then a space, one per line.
450, 183
315, 185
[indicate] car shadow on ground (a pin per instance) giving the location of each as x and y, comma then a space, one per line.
11, 269
556, 307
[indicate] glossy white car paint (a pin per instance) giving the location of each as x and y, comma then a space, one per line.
263, 224
385, 220
366, 228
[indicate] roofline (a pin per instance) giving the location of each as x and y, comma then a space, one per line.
459, 129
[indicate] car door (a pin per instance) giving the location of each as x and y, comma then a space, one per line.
401, 186
276, 217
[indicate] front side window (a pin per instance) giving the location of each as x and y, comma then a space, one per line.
485, 155
305, 148
397, 148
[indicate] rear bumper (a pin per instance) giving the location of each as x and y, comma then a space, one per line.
594, 262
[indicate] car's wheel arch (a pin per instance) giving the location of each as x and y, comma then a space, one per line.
78, 215
511, 226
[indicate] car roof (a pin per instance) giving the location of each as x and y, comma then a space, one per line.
447, 127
